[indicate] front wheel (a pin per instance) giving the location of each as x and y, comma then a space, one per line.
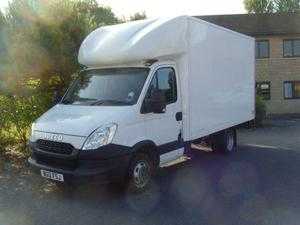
140, 173
225, 141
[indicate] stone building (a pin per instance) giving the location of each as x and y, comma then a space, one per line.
277, 56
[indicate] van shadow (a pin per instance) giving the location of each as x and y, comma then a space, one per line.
249, 187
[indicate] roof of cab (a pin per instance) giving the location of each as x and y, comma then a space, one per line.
134, 41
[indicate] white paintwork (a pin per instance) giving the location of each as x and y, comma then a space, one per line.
215, 66
218, 80
215, 78
77, 122
76, 141
134, 42
170, 156
163, 128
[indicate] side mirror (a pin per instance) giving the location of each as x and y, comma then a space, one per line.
156, 104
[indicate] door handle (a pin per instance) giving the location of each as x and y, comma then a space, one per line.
178, 116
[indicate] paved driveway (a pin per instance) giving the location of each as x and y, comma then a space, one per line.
258, 185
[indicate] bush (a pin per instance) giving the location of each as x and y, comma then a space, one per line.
260, 108
17, 114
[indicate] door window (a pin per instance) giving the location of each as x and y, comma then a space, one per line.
164, 80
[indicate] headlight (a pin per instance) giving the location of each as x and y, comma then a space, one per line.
101, 136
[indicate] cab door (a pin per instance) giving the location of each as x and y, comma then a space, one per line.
165, 129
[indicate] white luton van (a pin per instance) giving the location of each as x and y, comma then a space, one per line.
151, 88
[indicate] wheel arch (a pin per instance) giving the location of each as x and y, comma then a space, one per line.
147, 147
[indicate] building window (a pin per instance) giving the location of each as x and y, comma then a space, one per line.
291, 48
262, 49
263, 89
291, 89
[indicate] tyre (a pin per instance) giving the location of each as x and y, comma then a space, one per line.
140, 173
225, 141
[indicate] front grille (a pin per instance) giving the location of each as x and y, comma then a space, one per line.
55, 147
66, 164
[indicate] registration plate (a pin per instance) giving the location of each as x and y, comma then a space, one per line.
52, 175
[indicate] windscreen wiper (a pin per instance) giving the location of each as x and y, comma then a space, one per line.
97, 102
112, 101
81, 100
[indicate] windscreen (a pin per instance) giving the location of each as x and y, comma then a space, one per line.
121, 86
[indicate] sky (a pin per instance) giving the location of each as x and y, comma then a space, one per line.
161, 8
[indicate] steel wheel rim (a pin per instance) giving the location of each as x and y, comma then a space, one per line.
141, 174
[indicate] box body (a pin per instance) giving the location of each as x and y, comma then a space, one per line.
217, 79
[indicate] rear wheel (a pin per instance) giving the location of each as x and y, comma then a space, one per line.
140, 173
225, 141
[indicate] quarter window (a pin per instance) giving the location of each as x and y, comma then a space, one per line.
262, 49
291, 48
263, 89
291, 89
164, 80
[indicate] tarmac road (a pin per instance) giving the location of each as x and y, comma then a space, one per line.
258, 185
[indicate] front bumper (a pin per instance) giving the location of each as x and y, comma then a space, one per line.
106, 164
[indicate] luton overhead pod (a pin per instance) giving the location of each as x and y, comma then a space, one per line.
135, 41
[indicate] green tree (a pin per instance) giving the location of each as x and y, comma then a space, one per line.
39, 43
44, 39
271, 6
138, 16
2, 32
259, 6
2, 47
2, 19
287, 5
